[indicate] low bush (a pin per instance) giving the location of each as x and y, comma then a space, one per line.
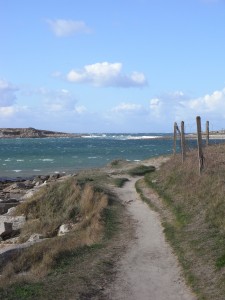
141, 170
119, 182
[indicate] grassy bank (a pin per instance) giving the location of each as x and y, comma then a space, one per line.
73, 264
195, 224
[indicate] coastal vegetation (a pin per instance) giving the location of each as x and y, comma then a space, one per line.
91, 213
141, 170
120, 181
193, 215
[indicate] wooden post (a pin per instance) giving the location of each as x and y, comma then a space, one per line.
174, 138
200, 152
207, 133
183, 148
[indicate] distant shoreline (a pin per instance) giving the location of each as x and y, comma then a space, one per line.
33, 133
11, 133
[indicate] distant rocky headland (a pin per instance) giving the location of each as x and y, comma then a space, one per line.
32, 133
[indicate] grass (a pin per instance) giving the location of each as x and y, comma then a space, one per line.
120, 181
195, 226
116, 162
139, 190
220, 262
82, 206
141, 170
24, 291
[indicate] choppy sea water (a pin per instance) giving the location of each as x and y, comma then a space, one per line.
27, 157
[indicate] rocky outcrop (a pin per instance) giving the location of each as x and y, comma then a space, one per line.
32, 133
12, 192
10, 225
7, 204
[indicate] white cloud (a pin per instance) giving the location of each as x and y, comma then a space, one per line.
80, 109
207, 103
63, 28
106, 74
126, 117
164, 106
127, 107
11, 111
155, 107
56, 101
7, 111
7, 93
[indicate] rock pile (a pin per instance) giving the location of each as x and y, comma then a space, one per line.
12, 193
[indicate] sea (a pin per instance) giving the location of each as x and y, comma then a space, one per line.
22, 157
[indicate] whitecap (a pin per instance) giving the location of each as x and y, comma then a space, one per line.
17, 171
46, 159
92, 136
36, 170
92, 157
144, 137
8, 159
20, 160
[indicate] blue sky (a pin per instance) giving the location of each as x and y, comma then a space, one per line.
112, 66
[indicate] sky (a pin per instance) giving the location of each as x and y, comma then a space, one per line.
102, 66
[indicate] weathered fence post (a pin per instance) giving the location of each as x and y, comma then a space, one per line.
200, 152
183, 147
174, 138
207, 133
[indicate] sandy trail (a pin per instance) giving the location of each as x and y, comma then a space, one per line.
149, 269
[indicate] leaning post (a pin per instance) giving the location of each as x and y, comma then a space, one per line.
174, 138
200, 152
183, 147
207, 133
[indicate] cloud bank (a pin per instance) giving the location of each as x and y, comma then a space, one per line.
106, 74
60, 110
64, 28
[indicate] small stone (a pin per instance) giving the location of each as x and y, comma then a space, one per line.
154, 181
5, 229
35, 237
64, 228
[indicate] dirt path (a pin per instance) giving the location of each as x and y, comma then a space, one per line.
148, 270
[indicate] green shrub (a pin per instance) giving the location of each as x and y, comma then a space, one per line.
141, 170
119, 182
